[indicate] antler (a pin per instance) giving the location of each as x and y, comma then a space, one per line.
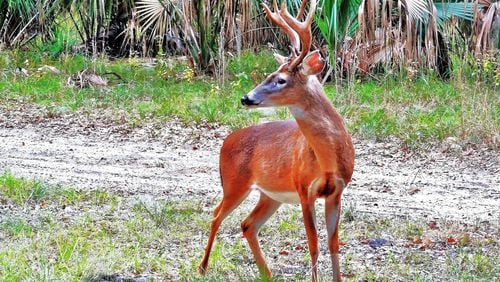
278, 20
298, 32
300, 14
303, 29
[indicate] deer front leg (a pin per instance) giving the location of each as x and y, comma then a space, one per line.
332, 216
309, 215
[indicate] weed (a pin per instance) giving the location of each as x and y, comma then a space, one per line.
291, 224
21, 190
287, 226
167, 213
66, 247
348, 212
413, 230
472, 265
17, 226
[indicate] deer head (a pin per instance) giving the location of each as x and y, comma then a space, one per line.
296, 74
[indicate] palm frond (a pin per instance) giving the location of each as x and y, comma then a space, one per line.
154, 15
484, 26
417, 9
447, 10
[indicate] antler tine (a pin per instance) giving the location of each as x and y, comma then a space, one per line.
278, 20
303, 29
300, 14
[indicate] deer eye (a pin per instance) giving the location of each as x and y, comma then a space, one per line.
281, 81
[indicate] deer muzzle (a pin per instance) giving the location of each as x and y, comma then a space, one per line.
249, 100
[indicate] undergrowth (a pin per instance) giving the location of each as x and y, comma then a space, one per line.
415, 110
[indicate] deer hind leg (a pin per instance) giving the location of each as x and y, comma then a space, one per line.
251, 225
332, 216
231, 199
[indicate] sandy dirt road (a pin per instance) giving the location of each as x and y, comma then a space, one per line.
175, 161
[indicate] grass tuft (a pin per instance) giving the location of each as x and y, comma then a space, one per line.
21, 190
17, 226
165, 213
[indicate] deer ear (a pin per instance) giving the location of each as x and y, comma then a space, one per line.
313, 64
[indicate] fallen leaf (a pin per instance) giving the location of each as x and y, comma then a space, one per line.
413, 191
46, 68
417, 240
284, 252
299, 248
386, 189
347, 275
468, 152
463, 239
341, 243
451, 240
21, 72
426, 243
433, 225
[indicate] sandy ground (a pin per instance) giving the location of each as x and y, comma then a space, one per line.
176, 161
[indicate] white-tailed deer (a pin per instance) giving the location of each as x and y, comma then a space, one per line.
288, 161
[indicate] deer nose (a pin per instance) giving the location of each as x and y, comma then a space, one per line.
250, 99
245, 101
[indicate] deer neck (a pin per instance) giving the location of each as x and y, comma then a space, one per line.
321, 125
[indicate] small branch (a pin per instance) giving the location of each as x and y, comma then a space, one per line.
328, 73
21, 32
76, 26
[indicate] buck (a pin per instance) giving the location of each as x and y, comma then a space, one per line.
295, 161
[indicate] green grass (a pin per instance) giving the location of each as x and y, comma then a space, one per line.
149, 92
415, 111
23, 191
113, 236
422, 110
17, 226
